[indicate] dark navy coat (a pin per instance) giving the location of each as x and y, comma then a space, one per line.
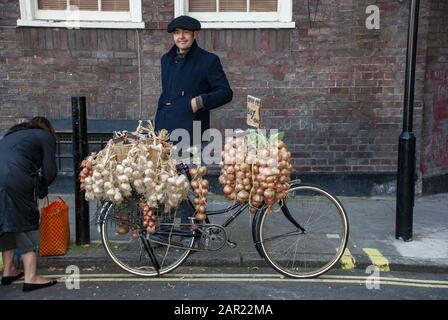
199, 73
23, 151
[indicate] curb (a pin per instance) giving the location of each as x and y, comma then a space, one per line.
238, 261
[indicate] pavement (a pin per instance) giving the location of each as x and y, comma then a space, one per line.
371, 239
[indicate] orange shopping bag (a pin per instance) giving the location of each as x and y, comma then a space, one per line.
54, 228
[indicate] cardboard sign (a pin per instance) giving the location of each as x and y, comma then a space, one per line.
253, 111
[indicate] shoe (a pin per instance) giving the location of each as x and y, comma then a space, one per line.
6, 281
34, 286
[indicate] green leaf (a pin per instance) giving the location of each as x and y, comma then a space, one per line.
277, 137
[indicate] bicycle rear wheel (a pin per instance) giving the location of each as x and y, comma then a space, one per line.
306, 236
137, 252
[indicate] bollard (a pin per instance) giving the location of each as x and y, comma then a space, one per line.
80, 151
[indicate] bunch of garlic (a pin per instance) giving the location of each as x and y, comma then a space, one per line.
94, 184
171, 189
112, 191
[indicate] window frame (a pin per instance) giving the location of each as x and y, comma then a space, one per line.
240, 20
31, 16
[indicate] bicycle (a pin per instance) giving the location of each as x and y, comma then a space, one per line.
303, 237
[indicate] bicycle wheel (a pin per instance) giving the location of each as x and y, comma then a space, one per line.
306, 236
136, 251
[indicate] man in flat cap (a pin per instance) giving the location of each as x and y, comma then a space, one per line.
193, 81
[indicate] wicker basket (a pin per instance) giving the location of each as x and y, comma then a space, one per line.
121, 151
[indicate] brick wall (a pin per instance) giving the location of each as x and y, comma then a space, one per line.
333, 86
434, 153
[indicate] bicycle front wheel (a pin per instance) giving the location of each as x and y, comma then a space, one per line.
127, 243
305, 236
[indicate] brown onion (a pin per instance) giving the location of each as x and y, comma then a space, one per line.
222, 179
269, 194
228, 190
270, 179
202, 171
280, 195
257, 198
200, 216
194, 184
205, 184
240, 175
243, 195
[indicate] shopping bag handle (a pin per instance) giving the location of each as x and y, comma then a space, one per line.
47, 201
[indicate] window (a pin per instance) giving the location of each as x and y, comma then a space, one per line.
238, 13
81, 13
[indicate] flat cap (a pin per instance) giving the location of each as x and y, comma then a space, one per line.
184, 22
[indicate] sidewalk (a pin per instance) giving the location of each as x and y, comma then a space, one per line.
372, 239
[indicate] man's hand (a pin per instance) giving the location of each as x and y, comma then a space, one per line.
194, 105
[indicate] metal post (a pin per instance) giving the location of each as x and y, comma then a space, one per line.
406, 147
80, 151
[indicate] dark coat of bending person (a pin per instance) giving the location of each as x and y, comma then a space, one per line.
24, 151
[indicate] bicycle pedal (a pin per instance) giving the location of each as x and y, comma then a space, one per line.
231, 244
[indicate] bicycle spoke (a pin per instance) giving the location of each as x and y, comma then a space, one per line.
311, 253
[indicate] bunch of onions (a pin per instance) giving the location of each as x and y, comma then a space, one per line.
262, 178
86, 171
200, 189
149, 217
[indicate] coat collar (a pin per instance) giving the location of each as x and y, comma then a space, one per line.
191, 53
18, 127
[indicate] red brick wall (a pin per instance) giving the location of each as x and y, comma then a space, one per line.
434, 152
333, 86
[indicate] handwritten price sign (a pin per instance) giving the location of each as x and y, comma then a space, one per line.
253, 111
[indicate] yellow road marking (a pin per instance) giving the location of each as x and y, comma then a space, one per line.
377, 259
383, 281
257, 278
348, 261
